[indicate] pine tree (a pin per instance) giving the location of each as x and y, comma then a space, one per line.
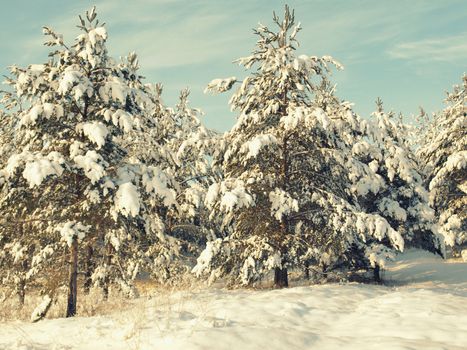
444, 152
402, 199
20, 259
286, 192
193, 145
72, 177
399, 194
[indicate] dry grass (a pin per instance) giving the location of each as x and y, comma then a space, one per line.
93, 303
160, 302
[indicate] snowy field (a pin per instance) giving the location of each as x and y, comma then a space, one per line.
424, 306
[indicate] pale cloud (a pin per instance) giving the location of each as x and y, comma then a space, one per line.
196, 39
447, 49
165, 34
172, 33
189, 42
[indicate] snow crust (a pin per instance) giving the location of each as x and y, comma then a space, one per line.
96, 34
91, 163
456, 161
37, 167
71, 229
254, 146
156, 180
45, 110
35, 172
127, 199
450, 229
212, 248
238, 197
282, 203
96, 132
119, 117
220, 85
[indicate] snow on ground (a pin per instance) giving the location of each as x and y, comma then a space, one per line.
424, 307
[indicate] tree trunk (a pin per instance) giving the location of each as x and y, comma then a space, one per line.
21, 291
73, 283
376, 274
108, 260
324, 268
281, 279
21, 286
105, 289
307, 270
89, 269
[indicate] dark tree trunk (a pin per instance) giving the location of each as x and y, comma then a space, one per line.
105, 289
307, 270
377, 274
108, 260
325, 271
281, 279
21, 287
89, 269
73, 283
21, 291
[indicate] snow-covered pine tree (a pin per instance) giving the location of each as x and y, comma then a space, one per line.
372, 240
185, 145
71, 176
155, 161
16, 255
193, 145
286, 192
444, 154
399, 196
421, 131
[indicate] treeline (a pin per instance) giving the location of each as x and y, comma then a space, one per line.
101, 182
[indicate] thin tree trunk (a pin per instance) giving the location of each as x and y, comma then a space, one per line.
281, 279
325, 271
376, 274
73, 283
21, 286
108, 260
307, 270
21, 291
89, 269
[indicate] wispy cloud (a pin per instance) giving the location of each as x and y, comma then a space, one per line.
447, 49
171, 33
187, 43
165, 34
196, 39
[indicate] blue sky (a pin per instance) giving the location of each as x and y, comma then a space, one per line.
407, 52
